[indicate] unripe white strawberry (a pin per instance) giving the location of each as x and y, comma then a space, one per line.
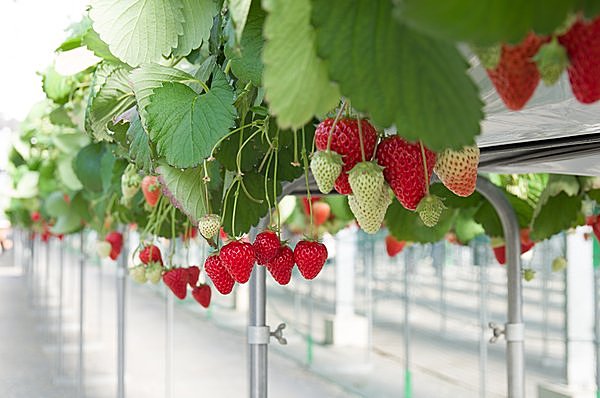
370, 218
458, 169
138, 274
326, 167
153, 272
130, 182
209, 225
366, 180
430, 209
103, 248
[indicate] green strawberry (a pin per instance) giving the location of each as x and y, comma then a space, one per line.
551, 60
430, 209
209, 225
154, 272
489, 56
559, 264
371, 218
528, 274
326, 167
366, 180
130, 182
138, 274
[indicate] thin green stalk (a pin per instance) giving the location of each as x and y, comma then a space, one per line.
335, 121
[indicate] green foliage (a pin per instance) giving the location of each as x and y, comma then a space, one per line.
185, 125
398, 75
295, 79
198, 19
239, 9
139, 149
57, 87
407, 225
88, 167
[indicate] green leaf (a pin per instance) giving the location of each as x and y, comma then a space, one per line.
339, 207
198, 19
453, 200
558, 213
77, 31
486, 215
295, 79
398, 75
407, 225
69, 143
138, 31
484, 22
139, 147
55, 204
185, 125
27, 185
66, 174
110, 96
60, 117
94, 43
149, 77
80, 206
246, 61
67, 223
185, 190
238, 10
57, 87
88, 167
247, 213
465, 227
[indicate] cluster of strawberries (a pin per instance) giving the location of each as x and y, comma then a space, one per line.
43, 227
235, 260
516, 70
352, 159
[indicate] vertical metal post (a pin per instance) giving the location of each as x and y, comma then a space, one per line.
121, 284
483, 342
80, 359
257, 328
545, 301
369, 293
597, 329
169, 302
60, 337
514, 327
408, 262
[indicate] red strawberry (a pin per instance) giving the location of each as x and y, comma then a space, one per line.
193, 275
500, 249
516, 76
218, 274
310, 256
281, 265
305, 205
150, 254
151, 189
500, 253
238, 258
202, 294
594, 222
582, 42
177, 280
345, 140
403, 169
266, 246
458, 169
321, 212
35, 216
393, 246
116, 243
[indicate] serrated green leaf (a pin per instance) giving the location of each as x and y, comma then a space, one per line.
558, 213
55, 204
407, 225
57, 87
139, 147
92, 41
398, 75
246, 61
88, 167
557, 184
149, 77
138, 31
238, 10
185, 125
110, 96
484, 22
206, 69
198, 19
295, 79
185, 190
77, 31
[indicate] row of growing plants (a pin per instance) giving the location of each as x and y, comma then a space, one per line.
198, 112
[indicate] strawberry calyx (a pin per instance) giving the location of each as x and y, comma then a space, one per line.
551, 60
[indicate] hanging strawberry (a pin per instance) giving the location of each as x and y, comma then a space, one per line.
458, 169
151, 190
281, 265
219, 275
310, 256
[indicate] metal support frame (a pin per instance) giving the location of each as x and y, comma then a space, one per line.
121, 284
514, 328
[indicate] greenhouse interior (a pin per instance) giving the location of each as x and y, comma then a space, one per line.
300, 199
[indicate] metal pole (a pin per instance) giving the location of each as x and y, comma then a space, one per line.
369, 294
121, 283
545, 302
408, 261
61, 364
514, 328
80, 359
258, 331
483, 352
597, 330
169, 302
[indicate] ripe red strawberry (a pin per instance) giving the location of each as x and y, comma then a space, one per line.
582, 42
393, 246
281, 265
321, 212
310, 256
458, 169
500, 249
345, 140
35, 216
202, 294
150, 254
594, 222
177, 280
238, 258
516, 75
218, 274
306, 206
193, 275
266, 245
151, 189
403, 169
116, 243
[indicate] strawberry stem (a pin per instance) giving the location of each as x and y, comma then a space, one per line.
275, 186
308, 196
266, 186
425, 168
206, 179
360, 138
337, 117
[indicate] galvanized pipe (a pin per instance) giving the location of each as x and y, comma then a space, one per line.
80, 357
121, 283
514, 327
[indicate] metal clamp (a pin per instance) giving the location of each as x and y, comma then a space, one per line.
497, 332
262, 334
